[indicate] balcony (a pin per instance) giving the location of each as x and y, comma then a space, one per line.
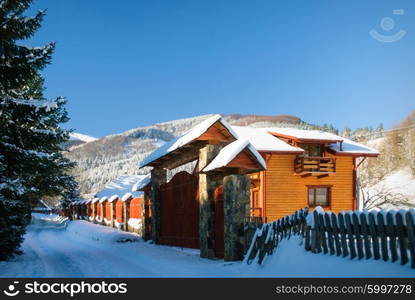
314, 164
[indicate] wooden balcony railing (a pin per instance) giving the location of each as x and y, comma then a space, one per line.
314, 164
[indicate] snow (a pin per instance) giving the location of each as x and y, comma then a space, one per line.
126, 197
348, 146
142, 183
186, 138
44, 204
263, 141
134, 223
310, 216
401, 181
113, 198
228, 153
306, 134
351, 147
54, 248
81, 137
103, 199
95, 200
120, 186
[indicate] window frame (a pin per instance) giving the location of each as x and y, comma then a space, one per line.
306, 147
315, 187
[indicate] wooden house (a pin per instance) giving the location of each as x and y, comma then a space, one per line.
241, 173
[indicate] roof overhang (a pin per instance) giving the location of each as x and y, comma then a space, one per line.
305, 140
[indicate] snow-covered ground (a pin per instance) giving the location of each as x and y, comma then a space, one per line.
401, 181
54, 247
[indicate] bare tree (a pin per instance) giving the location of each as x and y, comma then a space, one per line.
381, 197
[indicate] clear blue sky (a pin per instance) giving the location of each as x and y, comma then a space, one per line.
126, 64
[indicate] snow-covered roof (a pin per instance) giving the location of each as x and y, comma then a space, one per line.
185, 139
142, 183
113, 198
103, 199
302, 134
350, 147
228, 153
263, 141
126, 197
120, 186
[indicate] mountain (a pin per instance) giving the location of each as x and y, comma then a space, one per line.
102, 160
76, 139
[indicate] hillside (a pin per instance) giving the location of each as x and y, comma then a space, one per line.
391, 176
76, 139
103, 160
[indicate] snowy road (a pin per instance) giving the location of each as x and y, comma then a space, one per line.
82, 249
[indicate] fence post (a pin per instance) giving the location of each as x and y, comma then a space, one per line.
356, 229
336, 234
351, 236
343, 235
365, 233
401, 239
373, 233
329, 233
411, 238
383, 240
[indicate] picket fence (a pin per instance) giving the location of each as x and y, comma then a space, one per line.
376, 234
386, 235
268, 235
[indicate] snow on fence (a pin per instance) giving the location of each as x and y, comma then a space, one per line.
267, 236
363, 234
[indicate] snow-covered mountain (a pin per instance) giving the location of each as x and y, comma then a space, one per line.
102, 160
76, 139
81, 137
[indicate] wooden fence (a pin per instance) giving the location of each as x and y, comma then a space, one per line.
374, 234
267, 236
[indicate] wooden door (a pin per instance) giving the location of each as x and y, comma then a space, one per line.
179, 211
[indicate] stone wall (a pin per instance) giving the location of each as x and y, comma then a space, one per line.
236, 208
207, 185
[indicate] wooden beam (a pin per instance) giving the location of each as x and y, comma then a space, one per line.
180, 158
306, 175
322, 176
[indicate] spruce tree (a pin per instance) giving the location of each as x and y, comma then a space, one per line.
31, 162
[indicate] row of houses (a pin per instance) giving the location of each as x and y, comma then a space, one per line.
118, 205
239, 175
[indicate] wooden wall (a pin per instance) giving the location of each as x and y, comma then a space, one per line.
107, 211
286, 191
135, 208
119, 211
99, 212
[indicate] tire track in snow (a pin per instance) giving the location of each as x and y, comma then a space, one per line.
56, 263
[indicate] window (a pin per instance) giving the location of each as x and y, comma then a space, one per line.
312, 149
319, 195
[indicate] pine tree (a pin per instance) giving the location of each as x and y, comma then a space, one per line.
31, 162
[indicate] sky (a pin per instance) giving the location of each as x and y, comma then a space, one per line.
132, 63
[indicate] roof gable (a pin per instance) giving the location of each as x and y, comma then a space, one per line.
239, 154
203, 131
